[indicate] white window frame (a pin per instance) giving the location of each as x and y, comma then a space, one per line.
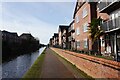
77, 31
78, 45
85, 27
77, 19
85, 43
84, 12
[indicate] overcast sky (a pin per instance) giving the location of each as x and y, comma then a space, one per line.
41, 19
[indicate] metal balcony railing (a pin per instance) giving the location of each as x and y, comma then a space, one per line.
71, 30
111, 24
103, 5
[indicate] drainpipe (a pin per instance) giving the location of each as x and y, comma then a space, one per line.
115, 47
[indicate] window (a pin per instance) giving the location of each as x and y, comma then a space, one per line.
78, 44
84, 13
77, 19
77, 31
85, 43
85, 27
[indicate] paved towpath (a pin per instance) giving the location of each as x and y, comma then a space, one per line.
53, 67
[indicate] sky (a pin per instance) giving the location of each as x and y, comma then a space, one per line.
40, 18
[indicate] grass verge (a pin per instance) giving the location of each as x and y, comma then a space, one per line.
35, 70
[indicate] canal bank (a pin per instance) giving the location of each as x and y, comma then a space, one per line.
35, 70
17, 67
51, 65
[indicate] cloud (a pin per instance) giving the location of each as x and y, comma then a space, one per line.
41, 20
37, 28
28, 23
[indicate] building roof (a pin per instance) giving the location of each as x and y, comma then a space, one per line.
71, 23
62, 27
77, 7
11, 33
26, 35
55, 34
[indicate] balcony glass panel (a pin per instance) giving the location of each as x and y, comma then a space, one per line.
104, 26
117, 22
103, 5
111, 24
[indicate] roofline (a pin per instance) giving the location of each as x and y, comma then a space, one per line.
72, 22
76, 10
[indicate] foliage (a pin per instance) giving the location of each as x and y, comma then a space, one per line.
10, 50
95, 29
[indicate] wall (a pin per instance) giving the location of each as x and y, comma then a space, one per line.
94, 67
83, 35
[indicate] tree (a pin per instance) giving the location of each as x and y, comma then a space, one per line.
95, 31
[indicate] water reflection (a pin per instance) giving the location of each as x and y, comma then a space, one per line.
17, 67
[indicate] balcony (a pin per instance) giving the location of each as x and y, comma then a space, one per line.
71, 30
70, 38
111, 25
63, 35
108, 6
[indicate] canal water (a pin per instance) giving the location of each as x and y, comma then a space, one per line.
18, 66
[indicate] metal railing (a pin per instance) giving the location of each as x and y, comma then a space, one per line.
103, 5
111, 24
71, 29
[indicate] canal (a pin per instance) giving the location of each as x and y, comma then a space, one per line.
17, 67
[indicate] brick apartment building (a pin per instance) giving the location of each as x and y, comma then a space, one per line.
83, 15
71, 36
55, 39
63, 36
51, 41
111, 25
76, 36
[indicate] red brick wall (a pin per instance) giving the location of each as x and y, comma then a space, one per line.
95, 68
83, 35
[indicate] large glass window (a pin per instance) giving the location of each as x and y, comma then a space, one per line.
78, 44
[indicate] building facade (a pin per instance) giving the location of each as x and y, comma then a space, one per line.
111, 26
83, 15
50, 42
56, 40
63, 36
71, 36
11, 37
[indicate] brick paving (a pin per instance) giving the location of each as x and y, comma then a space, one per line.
94, 67
54, 68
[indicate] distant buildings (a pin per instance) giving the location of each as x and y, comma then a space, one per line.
63, 36
71, 36
10, 37
76, 35
26, 36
